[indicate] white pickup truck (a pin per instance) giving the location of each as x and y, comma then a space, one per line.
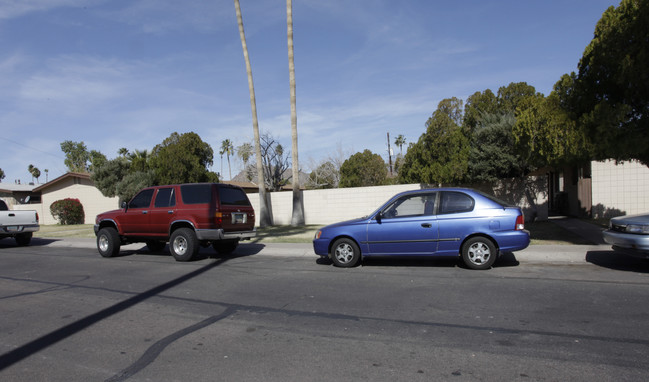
17, 224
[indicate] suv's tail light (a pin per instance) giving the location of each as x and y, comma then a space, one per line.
218, 218
520, 223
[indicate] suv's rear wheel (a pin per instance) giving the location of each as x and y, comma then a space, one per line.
183, 244
108, 242
225, 247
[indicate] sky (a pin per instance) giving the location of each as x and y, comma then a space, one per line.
129, 73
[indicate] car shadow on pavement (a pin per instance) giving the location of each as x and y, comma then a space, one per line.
617, 261
35, 242
505, 260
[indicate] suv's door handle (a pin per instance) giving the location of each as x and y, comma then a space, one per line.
145, 212
426, 225
170, 212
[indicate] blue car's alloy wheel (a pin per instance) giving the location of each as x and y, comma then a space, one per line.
479, 253
345, 253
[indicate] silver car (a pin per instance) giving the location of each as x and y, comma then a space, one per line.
629, 235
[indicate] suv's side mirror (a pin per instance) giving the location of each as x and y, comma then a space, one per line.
125, 206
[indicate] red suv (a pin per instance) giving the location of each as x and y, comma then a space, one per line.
185, 215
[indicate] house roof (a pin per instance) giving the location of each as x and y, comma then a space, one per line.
61, 178
12, 187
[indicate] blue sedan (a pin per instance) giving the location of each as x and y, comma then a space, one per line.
439, 222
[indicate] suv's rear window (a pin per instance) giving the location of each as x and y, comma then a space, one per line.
196, 193
233, 196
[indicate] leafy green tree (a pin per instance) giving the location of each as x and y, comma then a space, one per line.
510, 97
363, 170
477, 105
133, 182
107, 176
492, 155
441, 153
545, 134
182, 158
76, 156
609, 96
96, 160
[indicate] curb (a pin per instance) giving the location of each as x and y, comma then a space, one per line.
534, 254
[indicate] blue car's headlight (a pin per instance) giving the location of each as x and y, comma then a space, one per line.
638, 228
317, 234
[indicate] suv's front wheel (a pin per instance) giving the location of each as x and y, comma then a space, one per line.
183, 244
108, 242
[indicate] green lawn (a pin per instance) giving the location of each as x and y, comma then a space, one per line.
543, 232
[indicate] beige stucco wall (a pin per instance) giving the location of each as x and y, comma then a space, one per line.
619, 189
93, 201
331, 205
338, 204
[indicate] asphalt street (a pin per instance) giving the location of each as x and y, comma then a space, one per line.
276, 312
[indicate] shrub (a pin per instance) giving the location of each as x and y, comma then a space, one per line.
68, 211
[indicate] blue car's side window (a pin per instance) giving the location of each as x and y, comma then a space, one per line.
455, 202
411, 205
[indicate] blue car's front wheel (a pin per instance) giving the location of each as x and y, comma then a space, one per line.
345, 253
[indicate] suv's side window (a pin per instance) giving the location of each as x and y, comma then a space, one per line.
142, 200
166, 198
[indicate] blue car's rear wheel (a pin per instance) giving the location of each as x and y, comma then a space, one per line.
345, 253
479, 253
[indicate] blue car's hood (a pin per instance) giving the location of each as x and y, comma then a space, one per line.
632, 219
347, 222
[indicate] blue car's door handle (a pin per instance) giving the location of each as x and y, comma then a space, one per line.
426, 225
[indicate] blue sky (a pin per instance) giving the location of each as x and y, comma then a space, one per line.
128, 73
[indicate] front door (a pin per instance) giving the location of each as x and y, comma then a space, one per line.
407, 226
136, 219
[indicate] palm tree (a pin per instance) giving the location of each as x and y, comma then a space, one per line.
264, 213
245, 151
228, 149
400, 141
297, 218
46, 174
139, 160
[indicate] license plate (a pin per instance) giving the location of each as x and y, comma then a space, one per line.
239, 218
13, 228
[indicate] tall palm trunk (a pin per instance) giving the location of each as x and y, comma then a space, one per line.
298, 207
264, 213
